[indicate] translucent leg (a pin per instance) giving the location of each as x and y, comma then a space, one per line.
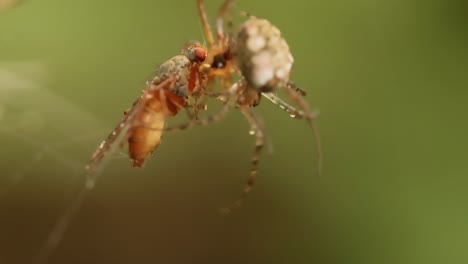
222, 13
229, 102
308, 115
296, 88
205, 23
258, 131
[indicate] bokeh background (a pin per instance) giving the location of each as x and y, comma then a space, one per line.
388, 77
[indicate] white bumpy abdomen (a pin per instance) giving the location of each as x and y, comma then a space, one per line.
263, 55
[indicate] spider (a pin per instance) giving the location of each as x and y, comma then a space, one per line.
260, 56
179, 78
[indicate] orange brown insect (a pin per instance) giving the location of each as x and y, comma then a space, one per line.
164, 96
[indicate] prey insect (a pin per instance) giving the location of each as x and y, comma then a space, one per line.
178, 83
178, 79
260, 57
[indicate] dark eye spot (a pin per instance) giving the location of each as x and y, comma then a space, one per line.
219, 61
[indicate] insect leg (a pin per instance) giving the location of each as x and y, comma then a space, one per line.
258, 130
123, 126
205, 23
310, 117
106, 145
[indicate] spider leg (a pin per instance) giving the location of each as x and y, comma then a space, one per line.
247, 14
199, 102
296, 88
205, 23
292, 111
308, 115
229, 102
222, 12
190, 114
192, 110
222, 96
257, 129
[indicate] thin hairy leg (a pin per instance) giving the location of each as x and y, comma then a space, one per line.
222, 13
199, 103
293, 112
192, 110
258, 130
122, 127
222, 96
310, 116
203, 121
205, 23
228, 103
296, 88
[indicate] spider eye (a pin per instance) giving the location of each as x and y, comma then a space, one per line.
218, 61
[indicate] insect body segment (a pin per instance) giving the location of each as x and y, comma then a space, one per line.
147, 125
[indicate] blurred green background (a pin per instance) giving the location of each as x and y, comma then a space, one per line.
388, 77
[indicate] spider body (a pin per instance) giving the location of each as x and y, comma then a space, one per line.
263, 55
260, 56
